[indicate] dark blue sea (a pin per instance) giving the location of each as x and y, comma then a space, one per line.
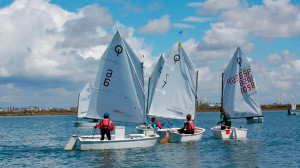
39, 141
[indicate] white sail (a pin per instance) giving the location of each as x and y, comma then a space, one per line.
136, 63
192, 69
84, 100
174, 95
153, 79
240, 98
137, 71
293, 103
117, 88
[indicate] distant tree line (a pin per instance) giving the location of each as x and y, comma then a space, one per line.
265, 107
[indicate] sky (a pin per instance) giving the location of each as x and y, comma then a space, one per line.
49, 50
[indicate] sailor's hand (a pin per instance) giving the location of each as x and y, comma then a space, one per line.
217, 123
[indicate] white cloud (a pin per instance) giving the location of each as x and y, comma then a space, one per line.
57, 44
274, 59
214, 6
273, 19
54, 50
281, 77
87, 30
197, 19
286, 57
157, 26
183, 26
218, 42
236, 25
39, 41
209, 84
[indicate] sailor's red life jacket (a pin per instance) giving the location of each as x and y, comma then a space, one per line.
106, 124
158, 124
191, 127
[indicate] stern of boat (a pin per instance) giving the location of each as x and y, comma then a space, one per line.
232, 133
177, 137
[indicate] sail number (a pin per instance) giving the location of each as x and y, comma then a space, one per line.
108, 76
237, 78
245, 79
247, 88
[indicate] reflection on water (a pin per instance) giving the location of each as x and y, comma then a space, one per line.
193, 155
108, 158
242, 153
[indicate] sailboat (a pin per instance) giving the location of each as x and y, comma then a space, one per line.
152, 83
172, 93
83, 104
239, 96
118, 90
293, 104
240, 91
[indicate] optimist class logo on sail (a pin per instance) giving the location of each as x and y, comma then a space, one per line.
245, 79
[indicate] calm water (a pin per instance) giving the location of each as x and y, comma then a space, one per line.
39, 141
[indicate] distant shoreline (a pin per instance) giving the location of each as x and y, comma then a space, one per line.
217, 110
37, 113
73, 112
273, 107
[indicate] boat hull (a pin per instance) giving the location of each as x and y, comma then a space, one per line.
129, 141
255, 120
174, 136
294, 113
232, 133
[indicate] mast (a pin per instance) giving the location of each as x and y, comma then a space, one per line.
147, 98
196, 98
77, 108
222, 88
146, 107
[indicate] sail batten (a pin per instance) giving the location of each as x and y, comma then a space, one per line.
240, 96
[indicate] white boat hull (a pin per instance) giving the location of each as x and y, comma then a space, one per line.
232, 133
174, 136
294, 113
255, 120
130, 141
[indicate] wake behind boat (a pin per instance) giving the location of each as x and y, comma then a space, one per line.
118, 90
